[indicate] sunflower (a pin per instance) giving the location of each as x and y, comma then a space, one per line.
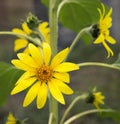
22, 42
43, 75
102, 33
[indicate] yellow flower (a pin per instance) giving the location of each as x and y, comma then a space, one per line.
11, 119
95, 98
98, 99
22, 42
103, 33
43, 74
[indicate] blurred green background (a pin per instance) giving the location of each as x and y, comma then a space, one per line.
12, 14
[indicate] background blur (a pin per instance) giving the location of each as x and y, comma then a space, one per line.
12, 14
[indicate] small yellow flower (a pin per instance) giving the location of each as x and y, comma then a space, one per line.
43, 74
98, 99
11, 119
95, 98
22, 42
103, 33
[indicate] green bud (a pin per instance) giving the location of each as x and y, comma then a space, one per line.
32, 21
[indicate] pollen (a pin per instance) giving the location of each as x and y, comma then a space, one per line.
45, 73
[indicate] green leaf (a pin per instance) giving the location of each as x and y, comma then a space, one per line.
77, 14
45, 2
115, 115
8, 77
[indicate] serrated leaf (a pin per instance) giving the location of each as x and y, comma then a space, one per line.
8, 77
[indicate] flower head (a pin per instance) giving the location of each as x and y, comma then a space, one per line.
95, 98
101, 30
21, 42
43, 74
12, 120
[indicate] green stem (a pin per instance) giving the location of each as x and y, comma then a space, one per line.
73, 118
20, 35
71, 106
99, 64
50, 118
53, 22
87, 29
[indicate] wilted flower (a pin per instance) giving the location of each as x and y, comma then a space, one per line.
101, 31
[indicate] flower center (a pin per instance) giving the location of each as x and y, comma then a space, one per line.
95, 31
45, 73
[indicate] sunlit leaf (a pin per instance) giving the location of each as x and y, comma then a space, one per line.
8, 77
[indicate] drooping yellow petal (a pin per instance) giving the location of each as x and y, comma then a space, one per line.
60, 57
56, 93
66, 67
26, 59
100, 39
35, 53
26, 28
19, 64
109, 51
23, 85
62, 87
110, 39
62, 76
20, 43
42, 96
31, 94
46, 53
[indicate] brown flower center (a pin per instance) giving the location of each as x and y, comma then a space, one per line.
45, 73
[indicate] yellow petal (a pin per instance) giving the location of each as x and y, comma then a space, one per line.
20, 43
109, 51
109, 13
62, 87
31, 95
25, 76
26, 29
43, 25
23, 85
42, 96
28, 60
19, 31
11, 118
56, 93
19, 64
110, 39
62, 76
66, 67
46, 53
36, 54
100, 39
60, 57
